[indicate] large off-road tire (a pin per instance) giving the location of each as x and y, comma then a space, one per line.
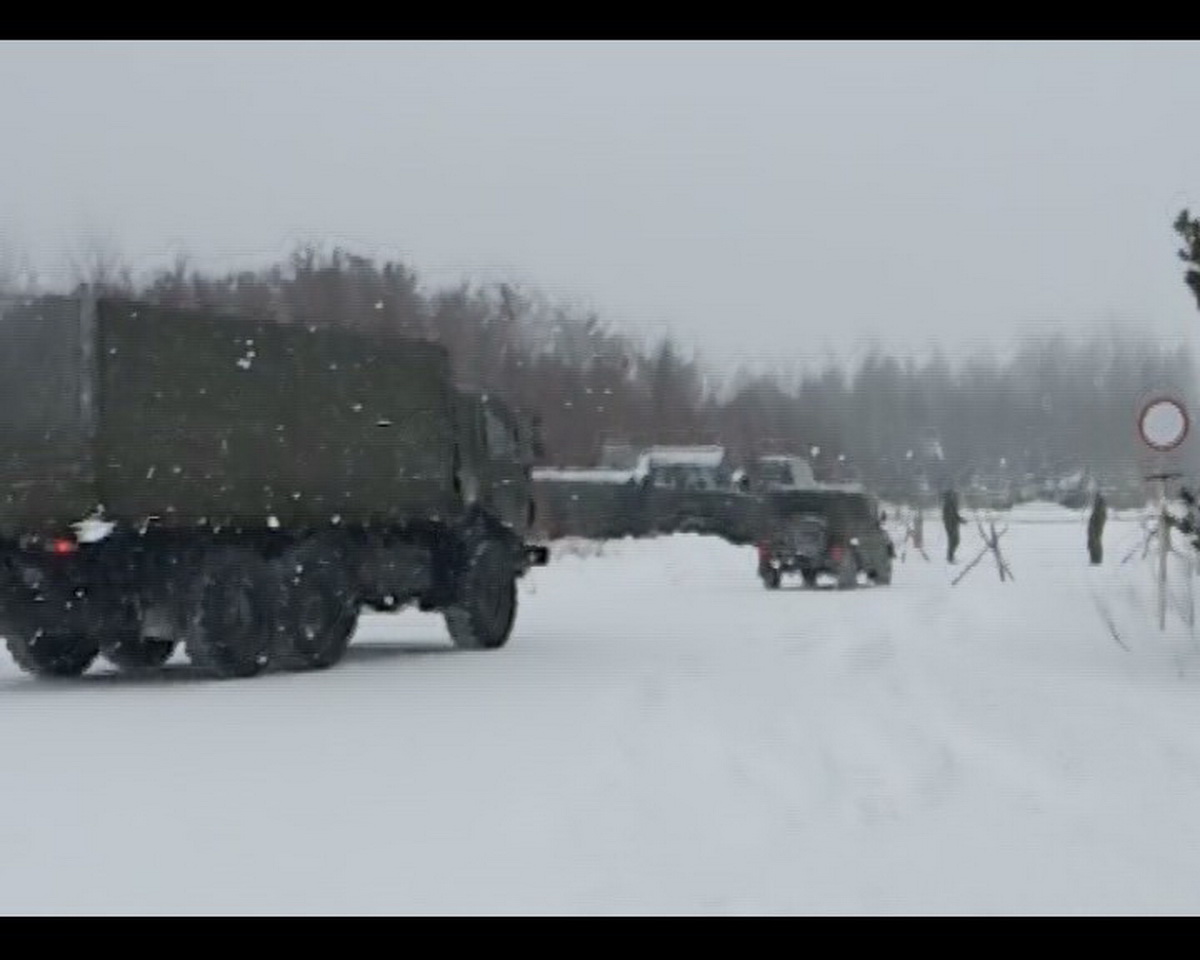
847, 572
45, 654
230, 624
126, 648
771, 578
485, 608
316, 605
135, 654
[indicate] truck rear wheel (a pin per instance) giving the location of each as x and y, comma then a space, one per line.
485, 609
138, 654
46, 654
317, 609
127, 647
231, 624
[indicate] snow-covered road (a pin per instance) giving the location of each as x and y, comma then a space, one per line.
661, 735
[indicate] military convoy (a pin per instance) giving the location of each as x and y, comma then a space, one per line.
243, 489
798, 526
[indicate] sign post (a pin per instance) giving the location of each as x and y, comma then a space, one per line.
1163, 425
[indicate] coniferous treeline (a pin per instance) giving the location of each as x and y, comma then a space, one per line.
1053, 406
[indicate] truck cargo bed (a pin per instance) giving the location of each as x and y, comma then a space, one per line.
192, 418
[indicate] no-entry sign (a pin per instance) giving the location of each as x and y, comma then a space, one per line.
1163, 424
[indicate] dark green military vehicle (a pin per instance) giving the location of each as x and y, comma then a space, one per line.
823, 532
243, 488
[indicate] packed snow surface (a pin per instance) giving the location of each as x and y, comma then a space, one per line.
662, 734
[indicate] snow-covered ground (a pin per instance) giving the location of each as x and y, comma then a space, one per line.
661, 735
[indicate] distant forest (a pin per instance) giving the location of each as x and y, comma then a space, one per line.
1054, 406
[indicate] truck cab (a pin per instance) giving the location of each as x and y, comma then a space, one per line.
496, 453
783, 472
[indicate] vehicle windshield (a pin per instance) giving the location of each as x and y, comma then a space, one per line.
776, 473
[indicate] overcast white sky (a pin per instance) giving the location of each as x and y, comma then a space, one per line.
766, 201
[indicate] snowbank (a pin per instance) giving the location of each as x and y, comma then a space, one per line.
661, 735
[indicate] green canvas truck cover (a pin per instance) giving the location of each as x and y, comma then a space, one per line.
190, 417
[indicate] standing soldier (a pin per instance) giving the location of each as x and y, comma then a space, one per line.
1096, 529
952, 520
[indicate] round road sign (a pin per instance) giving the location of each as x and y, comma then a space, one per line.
1163, 424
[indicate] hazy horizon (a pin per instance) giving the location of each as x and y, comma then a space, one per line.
767, 203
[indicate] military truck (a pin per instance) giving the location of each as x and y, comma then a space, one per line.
596, 503
243, 488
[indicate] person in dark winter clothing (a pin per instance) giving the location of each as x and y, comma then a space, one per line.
952, 520
1096, 523
1189, 525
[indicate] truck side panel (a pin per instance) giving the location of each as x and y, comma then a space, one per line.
233, 422
45, 461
